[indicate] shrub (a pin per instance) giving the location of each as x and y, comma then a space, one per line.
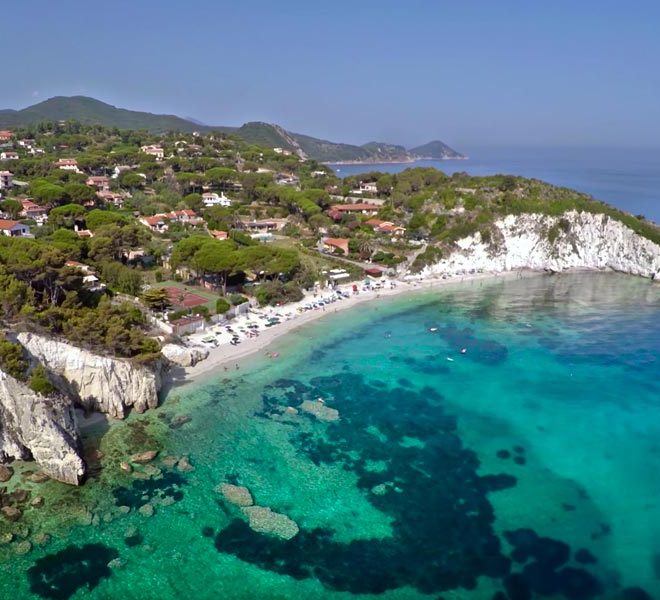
222, 306
40, 383
12, 360
236, 299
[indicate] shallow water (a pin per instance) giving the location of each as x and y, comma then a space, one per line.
525, 467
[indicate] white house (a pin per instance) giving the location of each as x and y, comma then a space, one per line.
67, 164
13, 228
6, 179
154, 150
8, 155
213, 199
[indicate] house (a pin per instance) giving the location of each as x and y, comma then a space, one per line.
213, 199
368, 187
261, 225
13, 228
337, 211
83, 233
110, 198
6, 180
99, 182
318, 174
9, 155
119, 169
67, 164
157, 223
6, 135
336, 245
154, 150
34, 151
33, 211
286, 179
282, 151
385, 227
27, 143
90, 279
188, 324
218, 235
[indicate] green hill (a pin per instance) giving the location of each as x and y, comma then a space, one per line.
435, 149
91, 111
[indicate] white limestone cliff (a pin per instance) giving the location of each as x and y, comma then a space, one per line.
571, 241
44, 428
108, 385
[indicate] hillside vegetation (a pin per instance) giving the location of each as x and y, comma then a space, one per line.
91, 111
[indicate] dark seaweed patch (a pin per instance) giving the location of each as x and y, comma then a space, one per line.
584, 557
59, 576
133, 495
442, 519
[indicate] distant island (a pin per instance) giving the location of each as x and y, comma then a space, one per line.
94, 112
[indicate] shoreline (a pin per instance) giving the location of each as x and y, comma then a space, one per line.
392, 162
226, 355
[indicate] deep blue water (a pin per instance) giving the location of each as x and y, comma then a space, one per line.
627, 179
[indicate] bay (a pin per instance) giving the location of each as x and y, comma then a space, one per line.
493, 437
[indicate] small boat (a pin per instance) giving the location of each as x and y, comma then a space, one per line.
463, 350
433, 329
450, 359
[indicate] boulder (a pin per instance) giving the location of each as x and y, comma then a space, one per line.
237, 495
170, 461
37, 502
146, 510
184, 465
126, 467
42, 539
5, 473
263, 520
184, 356
22, 548
142, 458
11, 513
38, 477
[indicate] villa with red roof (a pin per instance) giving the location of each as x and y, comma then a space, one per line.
336, 244
13, 228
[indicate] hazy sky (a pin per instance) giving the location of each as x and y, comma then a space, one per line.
491, 72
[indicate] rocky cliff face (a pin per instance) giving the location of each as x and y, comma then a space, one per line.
572, 241
108, 385
43, 428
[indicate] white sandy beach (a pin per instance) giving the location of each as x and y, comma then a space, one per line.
227, 355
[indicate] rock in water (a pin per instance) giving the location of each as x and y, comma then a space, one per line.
43, 427
263, 520
5, 473
147, 510
109, 385
184, 465
320, 410
237, 495
11, 513
142, 458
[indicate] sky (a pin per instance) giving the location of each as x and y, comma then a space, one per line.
471, 73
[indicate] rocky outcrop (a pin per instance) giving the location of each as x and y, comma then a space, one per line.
39, 427
108, 385
184, 356
570, 241
264, 520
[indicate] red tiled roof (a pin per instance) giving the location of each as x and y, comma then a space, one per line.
350, 207
340, 243
8, 224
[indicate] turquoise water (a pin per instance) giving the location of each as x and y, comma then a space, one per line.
525, 467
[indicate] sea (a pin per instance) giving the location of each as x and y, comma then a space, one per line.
487, 440
626, 178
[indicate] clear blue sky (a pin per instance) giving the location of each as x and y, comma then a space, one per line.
472, 73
